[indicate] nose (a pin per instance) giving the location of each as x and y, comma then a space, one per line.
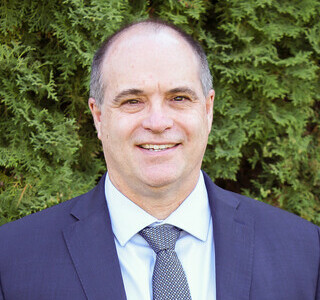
157, 120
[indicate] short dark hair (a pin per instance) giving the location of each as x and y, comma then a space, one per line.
97, 87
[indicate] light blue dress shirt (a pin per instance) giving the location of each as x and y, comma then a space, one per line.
195, 246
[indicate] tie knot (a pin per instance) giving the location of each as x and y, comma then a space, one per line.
162, 237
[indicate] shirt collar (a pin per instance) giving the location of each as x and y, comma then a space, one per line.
127, 218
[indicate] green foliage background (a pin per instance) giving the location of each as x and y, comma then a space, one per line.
264, 56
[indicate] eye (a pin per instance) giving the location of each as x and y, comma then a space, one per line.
132, 105
132, 101
180, 98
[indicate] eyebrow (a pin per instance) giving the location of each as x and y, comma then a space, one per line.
125, 93
184, 90
137, 92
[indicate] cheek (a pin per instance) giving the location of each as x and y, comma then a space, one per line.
118, 129
196, 127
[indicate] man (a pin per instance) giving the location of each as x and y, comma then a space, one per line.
152, 101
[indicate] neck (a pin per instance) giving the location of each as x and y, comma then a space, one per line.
159, 202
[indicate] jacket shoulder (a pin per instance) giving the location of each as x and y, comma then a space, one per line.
59, 215
263, 215
47, 221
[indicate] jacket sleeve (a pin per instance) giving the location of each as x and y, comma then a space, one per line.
318, 284
1, 292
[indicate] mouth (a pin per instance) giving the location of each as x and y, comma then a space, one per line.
157, 147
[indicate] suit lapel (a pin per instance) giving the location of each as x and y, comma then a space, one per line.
91, 246
233, 230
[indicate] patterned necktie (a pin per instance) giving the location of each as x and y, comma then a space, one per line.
169, 280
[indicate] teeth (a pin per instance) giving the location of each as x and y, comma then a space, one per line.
157, 147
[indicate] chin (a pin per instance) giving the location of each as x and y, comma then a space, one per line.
158, 182
160, 178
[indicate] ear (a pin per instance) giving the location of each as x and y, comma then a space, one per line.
96, 114
209, 108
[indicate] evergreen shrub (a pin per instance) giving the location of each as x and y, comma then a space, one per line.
264, 56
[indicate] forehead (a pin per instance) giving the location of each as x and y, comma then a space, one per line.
152, 34
144, 30
150, 53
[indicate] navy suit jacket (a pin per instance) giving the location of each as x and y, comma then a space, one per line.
68, 251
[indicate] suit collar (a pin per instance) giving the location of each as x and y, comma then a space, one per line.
90, 242
90, 203
233, 230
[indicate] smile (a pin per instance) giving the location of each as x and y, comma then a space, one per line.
153, 147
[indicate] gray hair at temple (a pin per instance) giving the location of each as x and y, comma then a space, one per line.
97, 84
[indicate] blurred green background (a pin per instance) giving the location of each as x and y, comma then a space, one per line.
264, 56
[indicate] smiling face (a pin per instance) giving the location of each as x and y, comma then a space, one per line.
154, 121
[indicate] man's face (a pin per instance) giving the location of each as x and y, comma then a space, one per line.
155, 120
